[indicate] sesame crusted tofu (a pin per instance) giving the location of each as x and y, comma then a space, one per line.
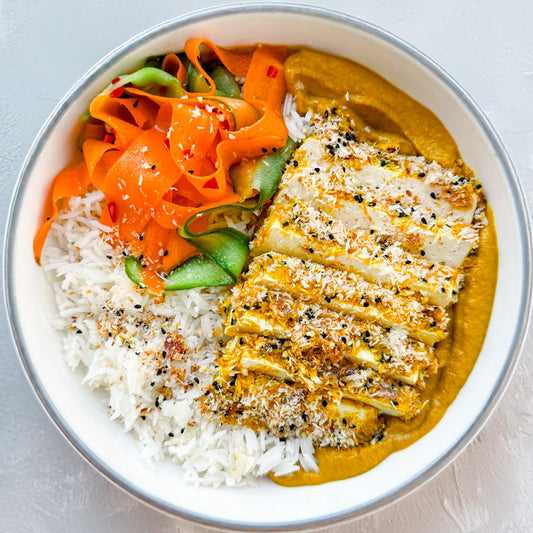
333, 335
412, 225
285, 361
299, 230
349, 293
388, 177
262, 402
352, 270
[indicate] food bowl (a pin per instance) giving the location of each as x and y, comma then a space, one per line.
80, 413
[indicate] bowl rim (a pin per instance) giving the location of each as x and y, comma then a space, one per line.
141, 38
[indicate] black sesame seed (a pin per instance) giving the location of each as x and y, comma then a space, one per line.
153, 167
171, 434
137, 306
159, 371
136, 103
422, 253
274, 150
295, 163
422, 175
433, 195
324, 403
264, 150
366, 304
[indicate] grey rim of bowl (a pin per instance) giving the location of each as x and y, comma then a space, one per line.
518, 197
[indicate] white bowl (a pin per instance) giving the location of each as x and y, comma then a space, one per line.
80, 414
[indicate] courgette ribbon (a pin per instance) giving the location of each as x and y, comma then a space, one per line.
224, 250
150, 79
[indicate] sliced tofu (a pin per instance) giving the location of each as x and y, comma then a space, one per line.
414, 228
312, 327
386, 178
299, 230
285, 361
348, 293
289, 409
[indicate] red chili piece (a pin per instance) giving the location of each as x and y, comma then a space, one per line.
109, 138
187, 154
211, 184
115, 93
116, 80
167, 143
112, 208
272, 71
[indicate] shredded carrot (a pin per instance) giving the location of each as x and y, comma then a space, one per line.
72, 181
159, 160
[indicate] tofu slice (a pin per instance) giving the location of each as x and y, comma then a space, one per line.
413, 227
312, 327
387, 178
285, 361
299, 230
288, 409
348, 293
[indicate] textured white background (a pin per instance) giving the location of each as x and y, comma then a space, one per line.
45, 46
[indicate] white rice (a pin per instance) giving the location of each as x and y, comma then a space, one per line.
119, 355
299, 126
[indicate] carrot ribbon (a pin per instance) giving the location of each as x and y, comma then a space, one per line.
162, 154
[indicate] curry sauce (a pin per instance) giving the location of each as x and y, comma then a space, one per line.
389, 127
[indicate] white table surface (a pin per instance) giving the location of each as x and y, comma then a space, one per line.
45, 46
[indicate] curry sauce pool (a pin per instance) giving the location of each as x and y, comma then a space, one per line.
379, 192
